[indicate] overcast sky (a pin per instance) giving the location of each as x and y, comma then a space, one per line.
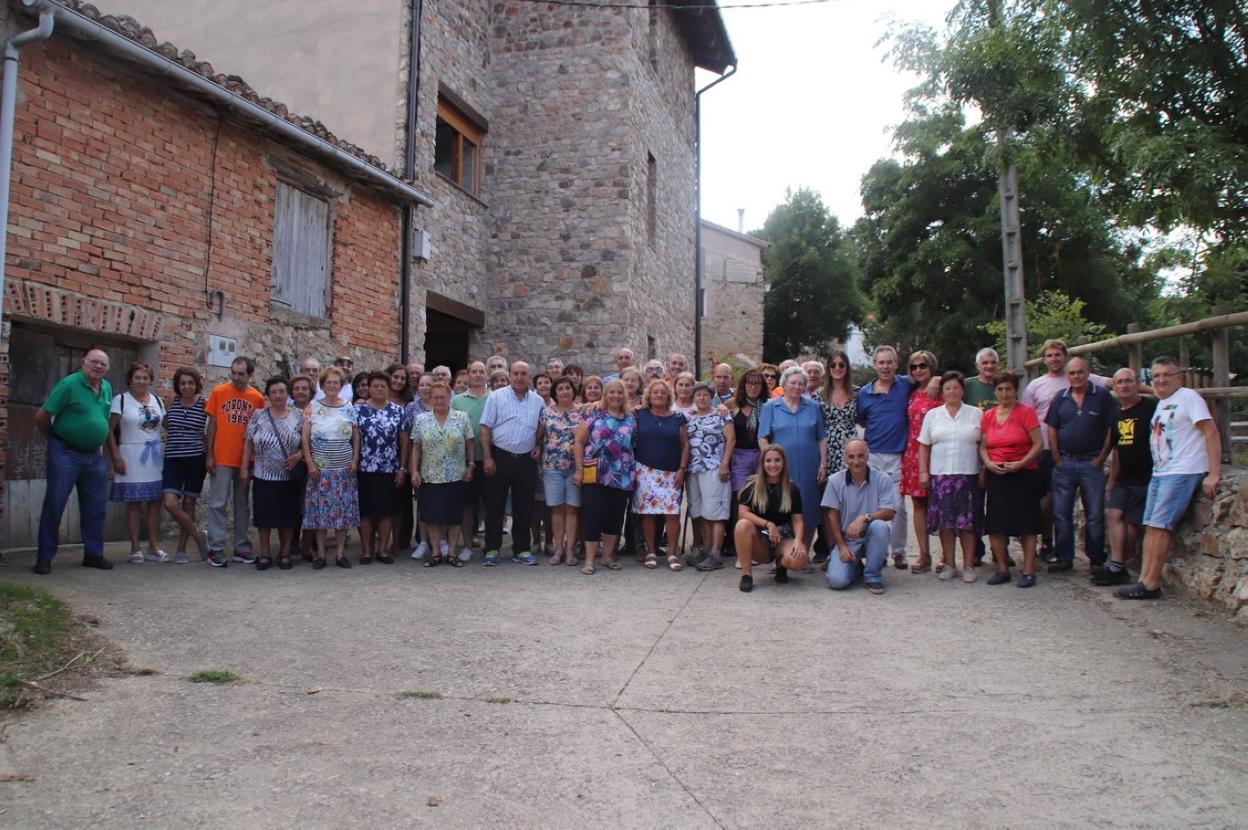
811, 105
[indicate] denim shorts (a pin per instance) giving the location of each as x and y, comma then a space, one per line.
183, 476
1168, 498
560, 489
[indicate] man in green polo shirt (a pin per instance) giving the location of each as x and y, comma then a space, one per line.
473, 403
75, 419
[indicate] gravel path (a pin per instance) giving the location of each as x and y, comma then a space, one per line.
635, 699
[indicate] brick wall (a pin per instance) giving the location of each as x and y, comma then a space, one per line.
117, 181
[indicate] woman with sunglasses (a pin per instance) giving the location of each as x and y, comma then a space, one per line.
922, 370
839, 402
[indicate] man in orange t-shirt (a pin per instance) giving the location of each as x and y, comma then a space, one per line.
229, 408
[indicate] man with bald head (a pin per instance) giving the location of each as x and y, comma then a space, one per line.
75, 420
859, 504
624, 358
1079, 424
1130, 469
722, 377
509, 446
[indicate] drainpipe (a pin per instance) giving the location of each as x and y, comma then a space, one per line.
8, 106
697, 232
409, 171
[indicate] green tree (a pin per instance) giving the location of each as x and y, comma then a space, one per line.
1051, 315
812, 274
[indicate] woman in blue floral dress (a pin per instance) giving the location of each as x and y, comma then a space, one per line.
556, 434
381, 472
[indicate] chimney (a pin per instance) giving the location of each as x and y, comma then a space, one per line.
740, 220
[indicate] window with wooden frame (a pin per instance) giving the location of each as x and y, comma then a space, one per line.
457, 147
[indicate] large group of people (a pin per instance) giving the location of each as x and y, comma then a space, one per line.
790, 466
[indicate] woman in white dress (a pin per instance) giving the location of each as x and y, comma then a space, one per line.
138, 459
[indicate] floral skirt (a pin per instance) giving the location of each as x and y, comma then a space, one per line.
657, 493
331, 502
955, 503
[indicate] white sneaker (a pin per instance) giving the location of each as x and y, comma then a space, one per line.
444, 548
420, 551
136, 557
158, 556
465, 554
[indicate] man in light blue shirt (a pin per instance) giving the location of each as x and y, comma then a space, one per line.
509, 444
860, 504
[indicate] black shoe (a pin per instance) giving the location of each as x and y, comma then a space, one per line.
43, 567
747, 583
1108, 577
318, 562
1060, 567
782, 575
1138, 590
97, 562
342, 562
385, 559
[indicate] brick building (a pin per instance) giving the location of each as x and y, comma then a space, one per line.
557, 142
160, 221
732, 277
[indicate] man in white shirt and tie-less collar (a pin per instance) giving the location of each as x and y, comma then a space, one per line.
509, 444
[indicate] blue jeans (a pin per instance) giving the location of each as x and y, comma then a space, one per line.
70, 467
873, 547
1070, 475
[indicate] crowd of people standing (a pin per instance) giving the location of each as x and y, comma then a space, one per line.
789, 466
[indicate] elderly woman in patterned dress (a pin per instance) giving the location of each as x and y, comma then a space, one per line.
331, 448
922, 401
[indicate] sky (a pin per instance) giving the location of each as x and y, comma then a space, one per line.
812, 104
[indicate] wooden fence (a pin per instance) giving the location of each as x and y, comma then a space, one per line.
1215, 386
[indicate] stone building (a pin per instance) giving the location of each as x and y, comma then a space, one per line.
556, 141
734, 286
171, 215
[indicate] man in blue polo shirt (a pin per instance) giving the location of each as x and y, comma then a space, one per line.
882, 411
1078, 422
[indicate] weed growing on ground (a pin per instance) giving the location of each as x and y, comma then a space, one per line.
36, 631
419, 695
498, 700
218, 676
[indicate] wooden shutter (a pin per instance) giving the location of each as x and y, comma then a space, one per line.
300, 250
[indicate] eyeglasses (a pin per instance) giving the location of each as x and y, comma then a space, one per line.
769, 375
838, 366
914, 366
1166, 374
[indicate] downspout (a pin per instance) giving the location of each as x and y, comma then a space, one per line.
409, 172
8, 107
697, 232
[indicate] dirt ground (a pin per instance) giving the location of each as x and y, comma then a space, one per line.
630, 699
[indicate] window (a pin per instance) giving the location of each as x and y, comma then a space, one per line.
653, 38
652, 347
652, 196
301, 251
457, 147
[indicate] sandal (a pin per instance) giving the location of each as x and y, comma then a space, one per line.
920, 568
342, 562
433, 561
366, 560
264, 563
588, 570
318, 562
611, 565
674, 563
557, 559
454, 562
651, 561
572, 559
284, 563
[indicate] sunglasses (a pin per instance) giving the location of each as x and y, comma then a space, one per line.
838, 366
914, 366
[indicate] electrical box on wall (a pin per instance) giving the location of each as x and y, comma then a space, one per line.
221, 350
422, 245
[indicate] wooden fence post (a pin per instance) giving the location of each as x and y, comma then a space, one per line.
1222, 378
1135, 351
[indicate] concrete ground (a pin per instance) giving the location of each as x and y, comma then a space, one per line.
632, 699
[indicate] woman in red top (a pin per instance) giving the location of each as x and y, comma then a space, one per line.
1009, 449
922, 370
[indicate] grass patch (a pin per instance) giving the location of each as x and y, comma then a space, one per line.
36, 637
218, 676
419, 695
498, 700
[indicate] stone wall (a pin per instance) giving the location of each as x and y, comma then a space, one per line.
732, 274
1210, 558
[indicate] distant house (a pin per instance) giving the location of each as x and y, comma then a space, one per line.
733, 288
556, 140
169, 214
